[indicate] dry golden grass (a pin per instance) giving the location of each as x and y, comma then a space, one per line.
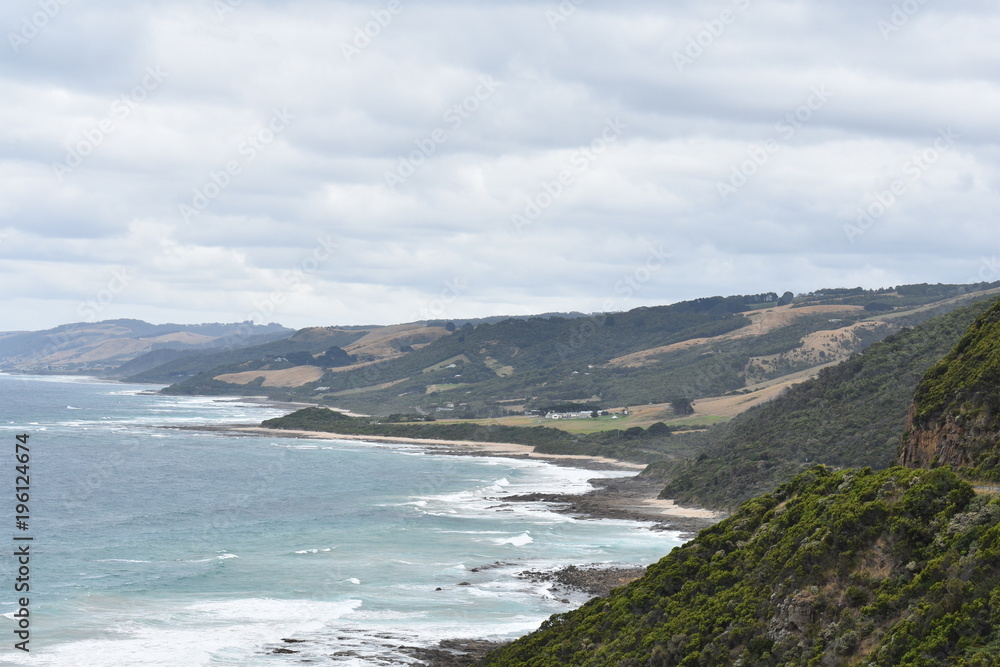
762, 322
819, 347
384, 342
289, 377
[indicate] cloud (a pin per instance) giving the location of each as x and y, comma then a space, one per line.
411, 136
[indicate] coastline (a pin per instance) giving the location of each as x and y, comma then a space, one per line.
629, 498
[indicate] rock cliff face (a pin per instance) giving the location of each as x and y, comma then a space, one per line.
955, 416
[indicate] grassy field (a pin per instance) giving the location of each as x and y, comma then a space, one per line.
642, 416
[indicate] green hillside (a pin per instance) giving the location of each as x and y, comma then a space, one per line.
851, 567
955, 418
542, 359
700, 348
632, 444
899, 567
969, 375
851, 415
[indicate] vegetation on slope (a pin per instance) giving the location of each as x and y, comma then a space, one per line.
969, 374
632, 444
851, 415
855, 567
955, 418
489, 369
303, 342
541, 359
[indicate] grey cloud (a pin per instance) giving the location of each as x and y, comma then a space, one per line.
357, 120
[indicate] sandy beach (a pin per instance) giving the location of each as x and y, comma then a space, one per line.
632, 497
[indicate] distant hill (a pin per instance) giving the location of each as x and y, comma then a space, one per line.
506, 361
304, 348
955, 416
897, 567
851, 415
689, 350
103, 346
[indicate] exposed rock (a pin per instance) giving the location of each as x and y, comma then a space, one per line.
943, 443
453, 652
955, 416
594, 580
793, 615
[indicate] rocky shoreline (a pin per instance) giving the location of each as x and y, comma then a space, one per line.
622, 498
628, 498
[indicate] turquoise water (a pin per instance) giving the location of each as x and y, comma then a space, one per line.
159, 546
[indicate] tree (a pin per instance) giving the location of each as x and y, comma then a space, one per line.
335, 356
682, 406
878, 307
300, 358
450, 326
658, 429
786, 299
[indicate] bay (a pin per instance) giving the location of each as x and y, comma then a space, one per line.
162, 546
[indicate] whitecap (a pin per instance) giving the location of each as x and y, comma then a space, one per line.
517, 541
209, 560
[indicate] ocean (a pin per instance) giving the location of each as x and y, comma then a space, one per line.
162, 546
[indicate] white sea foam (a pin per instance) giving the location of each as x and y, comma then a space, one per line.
229, 632
146, 614
517, 541
209, 560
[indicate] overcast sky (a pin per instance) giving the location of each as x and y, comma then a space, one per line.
322, 163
